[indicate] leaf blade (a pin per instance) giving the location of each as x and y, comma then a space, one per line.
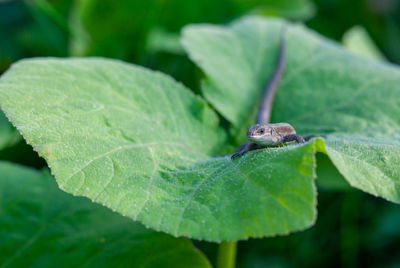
162, 173
325, 90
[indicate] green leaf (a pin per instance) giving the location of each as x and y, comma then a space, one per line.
358, 41
140, 143
369, 164
291, 9
353, 102
160, 40
41, 226
238, 62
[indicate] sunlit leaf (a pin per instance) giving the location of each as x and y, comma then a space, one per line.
140, 143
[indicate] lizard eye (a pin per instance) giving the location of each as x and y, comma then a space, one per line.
262, 131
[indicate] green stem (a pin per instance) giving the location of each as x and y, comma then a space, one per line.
226, 255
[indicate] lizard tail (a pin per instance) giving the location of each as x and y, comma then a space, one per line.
264, 114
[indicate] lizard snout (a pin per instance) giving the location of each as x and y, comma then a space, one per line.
249, 133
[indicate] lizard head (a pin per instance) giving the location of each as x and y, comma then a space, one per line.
262, 134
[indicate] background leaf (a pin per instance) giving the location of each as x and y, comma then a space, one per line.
291, 9
140, 143
325, 90
72, 231
358, 41
121, 30
160, 40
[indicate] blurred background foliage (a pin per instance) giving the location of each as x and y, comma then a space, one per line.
353, 229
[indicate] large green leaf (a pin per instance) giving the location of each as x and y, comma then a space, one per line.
140, 143
354, 102
40, 226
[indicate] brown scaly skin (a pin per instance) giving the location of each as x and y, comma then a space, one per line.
268, 135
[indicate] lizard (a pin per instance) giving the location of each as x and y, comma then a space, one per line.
263, 134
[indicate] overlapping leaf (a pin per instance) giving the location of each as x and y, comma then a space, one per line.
325, 90
40, 226
140, 143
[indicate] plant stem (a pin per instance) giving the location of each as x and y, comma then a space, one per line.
226, 255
